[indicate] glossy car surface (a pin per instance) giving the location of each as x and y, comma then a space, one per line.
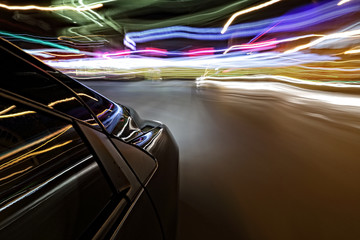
75, 165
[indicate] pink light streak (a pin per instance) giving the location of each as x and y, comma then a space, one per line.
200, 52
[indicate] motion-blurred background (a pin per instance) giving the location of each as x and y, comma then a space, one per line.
262, 96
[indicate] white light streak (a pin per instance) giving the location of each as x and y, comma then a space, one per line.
326, 37
292, 93
342, 2
235, 15
57, 8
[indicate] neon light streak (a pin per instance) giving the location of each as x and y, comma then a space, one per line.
326, 37
254, 46
61, 101
40, 186
17, 114
91, 11
57, 8
289, 23
7, 109
201, 52
64, 38
89, 15
65, 55
105, 111
155, 51
235, 15
286, 79
263, 33
46, 52
331, 69
53, 136
88, 96
294, 94
15, 173
240, 30
207, 51
275, 42
117, 54
353, 51
342, 2
127, 44
267, 59
76, 33
34, 40
32, 153
70, 99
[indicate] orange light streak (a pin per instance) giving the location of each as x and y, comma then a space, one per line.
18, 159
70, 99
54, 135
15, 173
65, 55
57, 8
17, 114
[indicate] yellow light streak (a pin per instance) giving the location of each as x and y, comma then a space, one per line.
342, 2
65, 55
284, 79
70, 99
7, 109
15, 173
289, 92
71, 30
30, 154
85, 95
326, 37
63, 38
54, 135
17, 114
61, 101
106, 110
57, 8
278, 41
235, 15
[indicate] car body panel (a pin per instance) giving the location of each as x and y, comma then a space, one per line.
137, 159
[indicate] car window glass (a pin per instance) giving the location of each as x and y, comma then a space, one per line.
113, 116
22, 78
51, 187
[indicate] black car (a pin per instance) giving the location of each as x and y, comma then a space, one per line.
74, 164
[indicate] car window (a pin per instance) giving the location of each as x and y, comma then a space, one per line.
112, 115
22, 78
51, 186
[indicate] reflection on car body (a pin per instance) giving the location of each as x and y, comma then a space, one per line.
74, 164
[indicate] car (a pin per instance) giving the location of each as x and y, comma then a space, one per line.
76, 165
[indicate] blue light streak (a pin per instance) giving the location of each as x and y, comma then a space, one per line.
289, 23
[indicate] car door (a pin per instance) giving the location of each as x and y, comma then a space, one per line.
36, 90
61, 179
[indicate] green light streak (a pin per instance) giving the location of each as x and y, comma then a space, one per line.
34, 40
201, 17
88, 15
78, 34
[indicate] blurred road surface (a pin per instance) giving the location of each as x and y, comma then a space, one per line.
254, 165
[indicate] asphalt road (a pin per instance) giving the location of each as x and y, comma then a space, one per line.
255, 165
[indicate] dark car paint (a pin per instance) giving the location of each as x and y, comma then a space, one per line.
154, 186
